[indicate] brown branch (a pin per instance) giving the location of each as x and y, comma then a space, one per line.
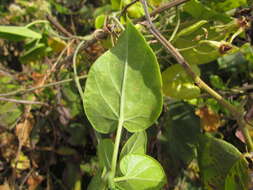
22, 101
58, 26
235, 112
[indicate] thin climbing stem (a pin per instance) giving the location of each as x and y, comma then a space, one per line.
80, 90
235, 112
177, 25
37, 22
24, 91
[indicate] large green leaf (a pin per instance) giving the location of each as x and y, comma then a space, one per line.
217, 160
124, 86
105, 151
136, 144
17, 33
140, 172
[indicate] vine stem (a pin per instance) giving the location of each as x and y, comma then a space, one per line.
80, 90
24, 91
235, 112
37, 22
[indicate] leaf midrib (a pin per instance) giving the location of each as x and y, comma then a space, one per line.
122, 93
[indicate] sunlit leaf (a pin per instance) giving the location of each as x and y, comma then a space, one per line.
177, 84
140, 172
124, 85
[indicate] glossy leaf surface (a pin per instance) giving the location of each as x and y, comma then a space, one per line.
136, 144
141, 172
124, 85
177, 83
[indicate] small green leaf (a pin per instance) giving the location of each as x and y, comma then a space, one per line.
105, 151
216, 159
140, 172
217, 82
136, 144
124, 85
17, 33
99, 21
192, 28
177, 83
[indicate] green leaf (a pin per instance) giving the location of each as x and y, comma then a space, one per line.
200, 46
216, 160
140, 172
9, 113
217, 82
182, 128
17, 33
105, 151
99, 21
124, 85
177, 84
237, 177
136, 144
190, 29
34, 53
